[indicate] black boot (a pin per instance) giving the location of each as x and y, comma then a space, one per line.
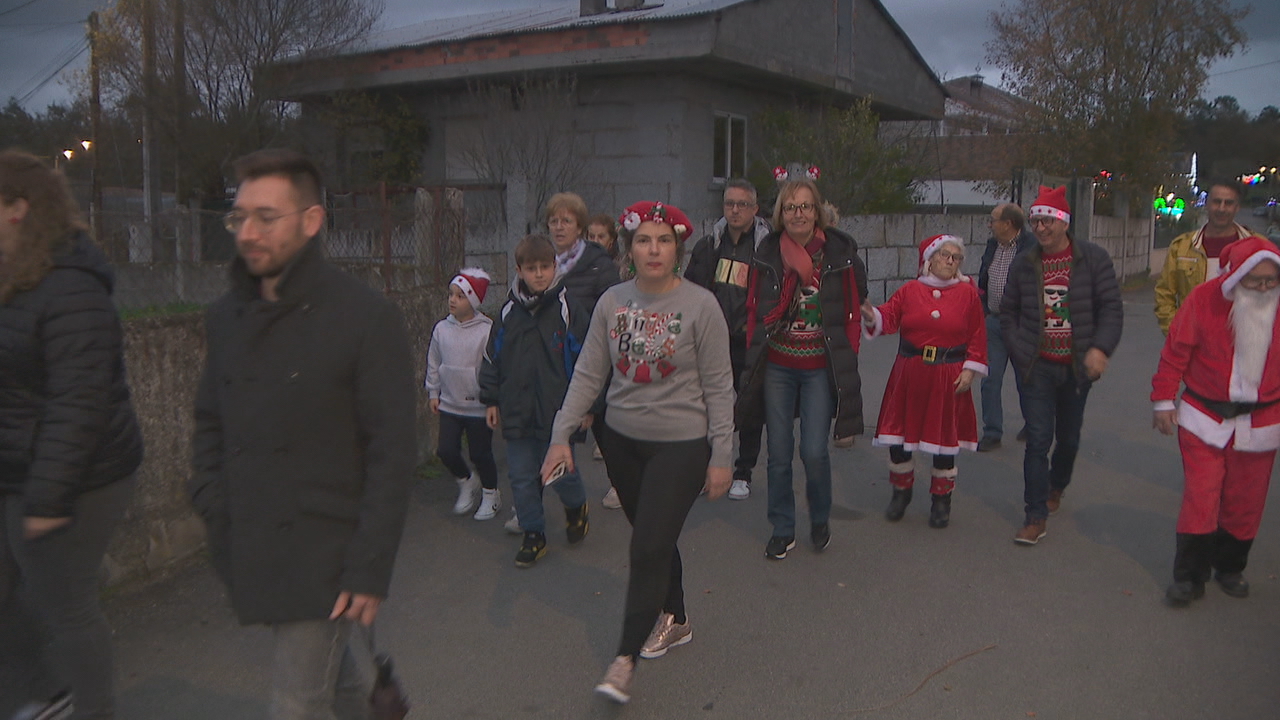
1191, 568
898, 504
1230, 556
940, 512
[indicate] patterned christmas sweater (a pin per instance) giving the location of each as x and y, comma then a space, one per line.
672, 380
802, 346
1055, 343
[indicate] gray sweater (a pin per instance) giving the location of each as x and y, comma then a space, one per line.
672, 380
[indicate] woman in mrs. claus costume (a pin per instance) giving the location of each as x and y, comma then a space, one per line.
927, 402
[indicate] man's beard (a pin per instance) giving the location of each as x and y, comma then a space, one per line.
1253, 317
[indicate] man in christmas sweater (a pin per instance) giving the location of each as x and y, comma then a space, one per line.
1061, 318
1223, 346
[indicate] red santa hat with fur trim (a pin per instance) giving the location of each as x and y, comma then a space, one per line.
1051, 202
929, 246
1242, 256
474, 283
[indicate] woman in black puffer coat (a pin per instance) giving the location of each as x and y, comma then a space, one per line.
69, 445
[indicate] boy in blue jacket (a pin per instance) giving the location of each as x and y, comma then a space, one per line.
523, 379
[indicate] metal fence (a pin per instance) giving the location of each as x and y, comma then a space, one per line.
396, 238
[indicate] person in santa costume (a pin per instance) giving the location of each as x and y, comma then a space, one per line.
1224, 348
927, 402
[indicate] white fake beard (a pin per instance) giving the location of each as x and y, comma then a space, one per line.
1253, 316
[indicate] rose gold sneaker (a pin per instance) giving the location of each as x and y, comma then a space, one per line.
667, 633
616, 683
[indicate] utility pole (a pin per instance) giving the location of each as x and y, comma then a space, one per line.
150, 166
180, 185
95, 127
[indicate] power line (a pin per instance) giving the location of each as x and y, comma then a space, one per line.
6, 26
1251, 67
83, 46
16, 8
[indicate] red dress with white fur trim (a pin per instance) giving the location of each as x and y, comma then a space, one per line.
921, 410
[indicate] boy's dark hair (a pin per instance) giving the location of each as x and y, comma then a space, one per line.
289, 164
1231, 184
535, 248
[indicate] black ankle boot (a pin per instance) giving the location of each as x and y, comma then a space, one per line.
940, 512
898, 504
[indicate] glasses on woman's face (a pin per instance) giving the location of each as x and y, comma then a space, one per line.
948, 256
561, 222
792, 208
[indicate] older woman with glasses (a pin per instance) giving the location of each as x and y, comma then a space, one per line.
806, 285
942, 346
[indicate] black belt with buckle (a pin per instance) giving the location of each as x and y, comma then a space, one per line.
932, 354
1226, 408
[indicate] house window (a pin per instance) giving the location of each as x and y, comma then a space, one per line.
729, 156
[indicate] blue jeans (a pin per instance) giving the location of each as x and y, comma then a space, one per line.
524, 466
784, 388
1053, 405
997, 361
322, 670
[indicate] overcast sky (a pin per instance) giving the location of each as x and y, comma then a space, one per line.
37, 37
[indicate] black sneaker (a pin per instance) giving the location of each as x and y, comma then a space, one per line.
778, 547
575, 524
821, 536
533, 548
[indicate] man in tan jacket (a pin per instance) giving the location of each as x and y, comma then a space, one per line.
1193, 256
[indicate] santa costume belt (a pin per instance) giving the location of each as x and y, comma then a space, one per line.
932, 354
1227, 409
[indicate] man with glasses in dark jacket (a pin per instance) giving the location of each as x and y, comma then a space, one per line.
721, 263
1061, 317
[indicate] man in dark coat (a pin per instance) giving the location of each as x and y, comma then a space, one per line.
304, 449
721, 262
1009, 237
1061, 317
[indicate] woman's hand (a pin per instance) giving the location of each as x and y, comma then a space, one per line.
556, 454
718, 481
435, 406
965, 381
868, 313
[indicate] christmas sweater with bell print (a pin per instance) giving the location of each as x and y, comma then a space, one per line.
669, 355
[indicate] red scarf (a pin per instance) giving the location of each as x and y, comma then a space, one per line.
797, 262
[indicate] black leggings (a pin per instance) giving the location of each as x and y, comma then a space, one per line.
657, 483
940, 462
479, 443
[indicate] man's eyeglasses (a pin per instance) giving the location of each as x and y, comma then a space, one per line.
235, 220
1041, 220
738, 204
1260, 283
792, 208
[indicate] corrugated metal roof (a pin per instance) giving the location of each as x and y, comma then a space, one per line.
551, 16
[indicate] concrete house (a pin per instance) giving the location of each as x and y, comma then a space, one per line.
660, 100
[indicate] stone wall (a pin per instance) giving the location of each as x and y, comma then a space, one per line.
164, 357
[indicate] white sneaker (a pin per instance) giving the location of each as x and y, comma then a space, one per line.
611, 500
513, 525
740, 490
490, 504
468, 495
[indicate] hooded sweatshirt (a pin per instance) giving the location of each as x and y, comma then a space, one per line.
453, 364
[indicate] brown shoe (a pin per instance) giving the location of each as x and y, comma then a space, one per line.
1055, 500
1030, 533
616, 683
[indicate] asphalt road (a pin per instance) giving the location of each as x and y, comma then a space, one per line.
1072, 628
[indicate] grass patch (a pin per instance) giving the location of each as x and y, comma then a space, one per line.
432, 469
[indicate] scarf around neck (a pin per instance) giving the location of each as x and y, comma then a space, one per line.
797, 262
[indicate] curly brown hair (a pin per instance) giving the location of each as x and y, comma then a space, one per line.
52, 220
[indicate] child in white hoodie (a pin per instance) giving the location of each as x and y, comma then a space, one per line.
453, 367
